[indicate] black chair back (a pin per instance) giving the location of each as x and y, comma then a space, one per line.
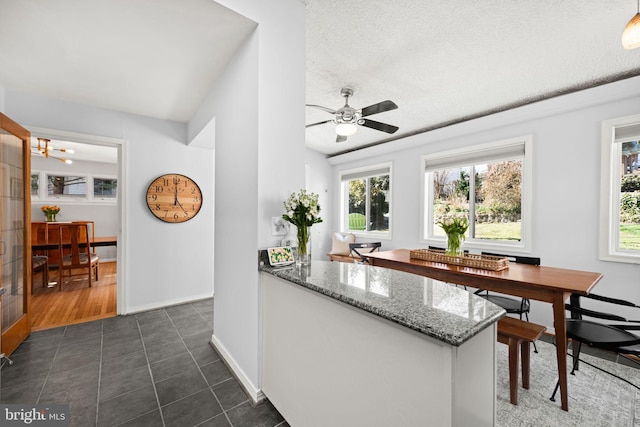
517, 258
356, 248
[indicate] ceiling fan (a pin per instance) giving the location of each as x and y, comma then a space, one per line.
347, 118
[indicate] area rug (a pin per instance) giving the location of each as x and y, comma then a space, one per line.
595, 398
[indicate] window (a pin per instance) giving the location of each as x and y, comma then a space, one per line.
105, 188
66, 186
73, 188
620, 190
366, 200
487, 184
35, 185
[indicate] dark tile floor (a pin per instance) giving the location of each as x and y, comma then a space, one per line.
149, 369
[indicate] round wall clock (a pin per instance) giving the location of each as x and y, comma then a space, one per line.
174, 198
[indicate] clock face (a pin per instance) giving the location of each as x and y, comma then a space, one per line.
174, 198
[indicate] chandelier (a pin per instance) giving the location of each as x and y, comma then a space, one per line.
47, 150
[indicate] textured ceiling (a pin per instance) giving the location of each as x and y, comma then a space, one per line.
444, 62
441, 62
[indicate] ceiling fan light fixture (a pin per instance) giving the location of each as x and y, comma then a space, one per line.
631, 33
346, 129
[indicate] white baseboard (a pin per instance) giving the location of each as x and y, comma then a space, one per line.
255, 394
164, 304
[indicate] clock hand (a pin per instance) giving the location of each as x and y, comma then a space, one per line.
176, 202
180, 204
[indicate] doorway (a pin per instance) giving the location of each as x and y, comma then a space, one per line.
96, 161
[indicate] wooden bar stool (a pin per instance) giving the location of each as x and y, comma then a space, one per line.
518, 335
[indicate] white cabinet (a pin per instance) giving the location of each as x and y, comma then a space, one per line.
325, 362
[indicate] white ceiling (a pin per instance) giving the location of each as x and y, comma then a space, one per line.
440, 62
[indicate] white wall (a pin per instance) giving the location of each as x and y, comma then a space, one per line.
318, 181
161, 263
566, 172
259, 161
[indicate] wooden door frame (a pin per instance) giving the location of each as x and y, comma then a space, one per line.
21, 329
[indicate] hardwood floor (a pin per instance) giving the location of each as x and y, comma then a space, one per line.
77, 303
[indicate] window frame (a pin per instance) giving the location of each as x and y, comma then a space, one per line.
465, 156
93, 195
43, 197
610, 182
365, 172
58, 197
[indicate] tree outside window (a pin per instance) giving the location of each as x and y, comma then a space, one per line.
495, 211
629, 219
368, 206
620, 190
105, 188
67, 186
488, 185
35, 184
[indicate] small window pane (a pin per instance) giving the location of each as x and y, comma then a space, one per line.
107, 188
499, 201
630, 196
357, 204
379, 203
67, 186
450, 195
35, 184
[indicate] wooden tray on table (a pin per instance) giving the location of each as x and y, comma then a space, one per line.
484, 262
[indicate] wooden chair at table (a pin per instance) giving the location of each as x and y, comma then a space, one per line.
40, 263
39, 259
91, 231
78, 255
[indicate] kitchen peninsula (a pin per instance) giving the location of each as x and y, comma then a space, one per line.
352, 344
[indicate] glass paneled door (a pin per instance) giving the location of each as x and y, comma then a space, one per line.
15, 253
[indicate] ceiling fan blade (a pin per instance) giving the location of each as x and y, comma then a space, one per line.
340, 138
383, 127
380, 107
319, 123
320, 107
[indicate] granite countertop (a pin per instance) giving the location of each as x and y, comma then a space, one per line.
439, 310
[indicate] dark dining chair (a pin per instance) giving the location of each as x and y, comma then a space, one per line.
40, 263
359, 251
77, 259
519, 306
613, 337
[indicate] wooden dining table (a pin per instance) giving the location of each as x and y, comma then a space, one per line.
540, 283
98, 241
